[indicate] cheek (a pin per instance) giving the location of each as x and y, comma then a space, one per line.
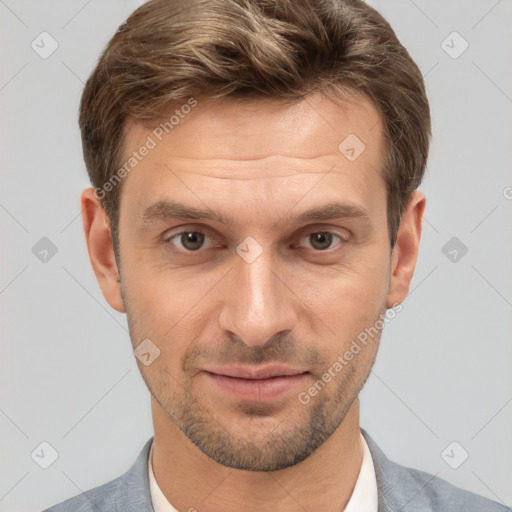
168, 310
347, 296
160, 293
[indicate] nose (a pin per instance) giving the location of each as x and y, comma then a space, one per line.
258, 302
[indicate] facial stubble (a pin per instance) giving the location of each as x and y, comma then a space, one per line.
271, 445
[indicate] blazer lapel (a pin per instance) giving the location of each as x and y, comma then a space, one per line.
132, 493
397, 489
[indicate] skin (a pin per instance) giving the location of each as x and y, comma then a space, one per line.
261, 165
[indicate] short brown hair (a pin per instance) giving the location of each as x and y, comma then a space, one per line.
171, 50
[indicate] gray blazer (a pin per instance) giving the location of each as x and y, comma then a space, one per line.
399, 489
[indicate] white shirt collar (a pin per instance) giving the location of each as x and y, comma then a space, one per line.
363, 498
364, 495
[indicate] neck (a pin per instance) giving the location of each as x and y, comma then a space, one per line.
190, 480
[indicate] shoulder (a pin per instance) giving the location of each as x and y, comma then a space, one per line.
403, 488
441, 495
126, 493
98, 498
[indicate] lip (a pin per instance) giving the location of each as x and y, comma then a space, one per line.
255, 384
260, 372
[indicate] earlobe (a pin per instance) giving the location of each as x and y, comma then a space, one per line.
100, 248
405, 252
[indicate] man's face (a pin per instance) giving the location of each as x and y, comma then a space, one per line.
263, 284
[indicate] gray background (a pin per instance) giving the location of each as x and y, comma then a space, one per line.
68, 376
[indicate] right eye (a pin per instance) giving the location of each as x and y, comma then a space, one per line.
189, 241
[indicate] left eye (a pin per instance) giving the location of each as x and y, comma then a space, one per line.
321, 240
190, 240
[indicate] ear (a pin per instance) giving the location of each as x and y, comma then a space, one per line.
405, 252
100, 247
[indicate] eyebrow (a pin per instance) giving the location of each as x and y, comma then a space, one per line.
168, 210
334, 211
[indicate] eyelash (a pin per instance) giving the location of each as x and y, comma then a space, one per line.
168, 240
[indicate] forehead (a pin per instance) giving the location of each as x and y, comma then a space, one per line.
257, 148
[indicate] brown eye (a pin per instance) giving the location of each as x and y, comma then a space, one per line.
322, 240
189, 240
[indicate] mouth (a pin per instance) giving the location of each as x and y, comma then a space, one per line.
255, 384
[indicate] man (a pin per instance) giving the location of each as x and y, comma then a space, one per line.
255, 213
